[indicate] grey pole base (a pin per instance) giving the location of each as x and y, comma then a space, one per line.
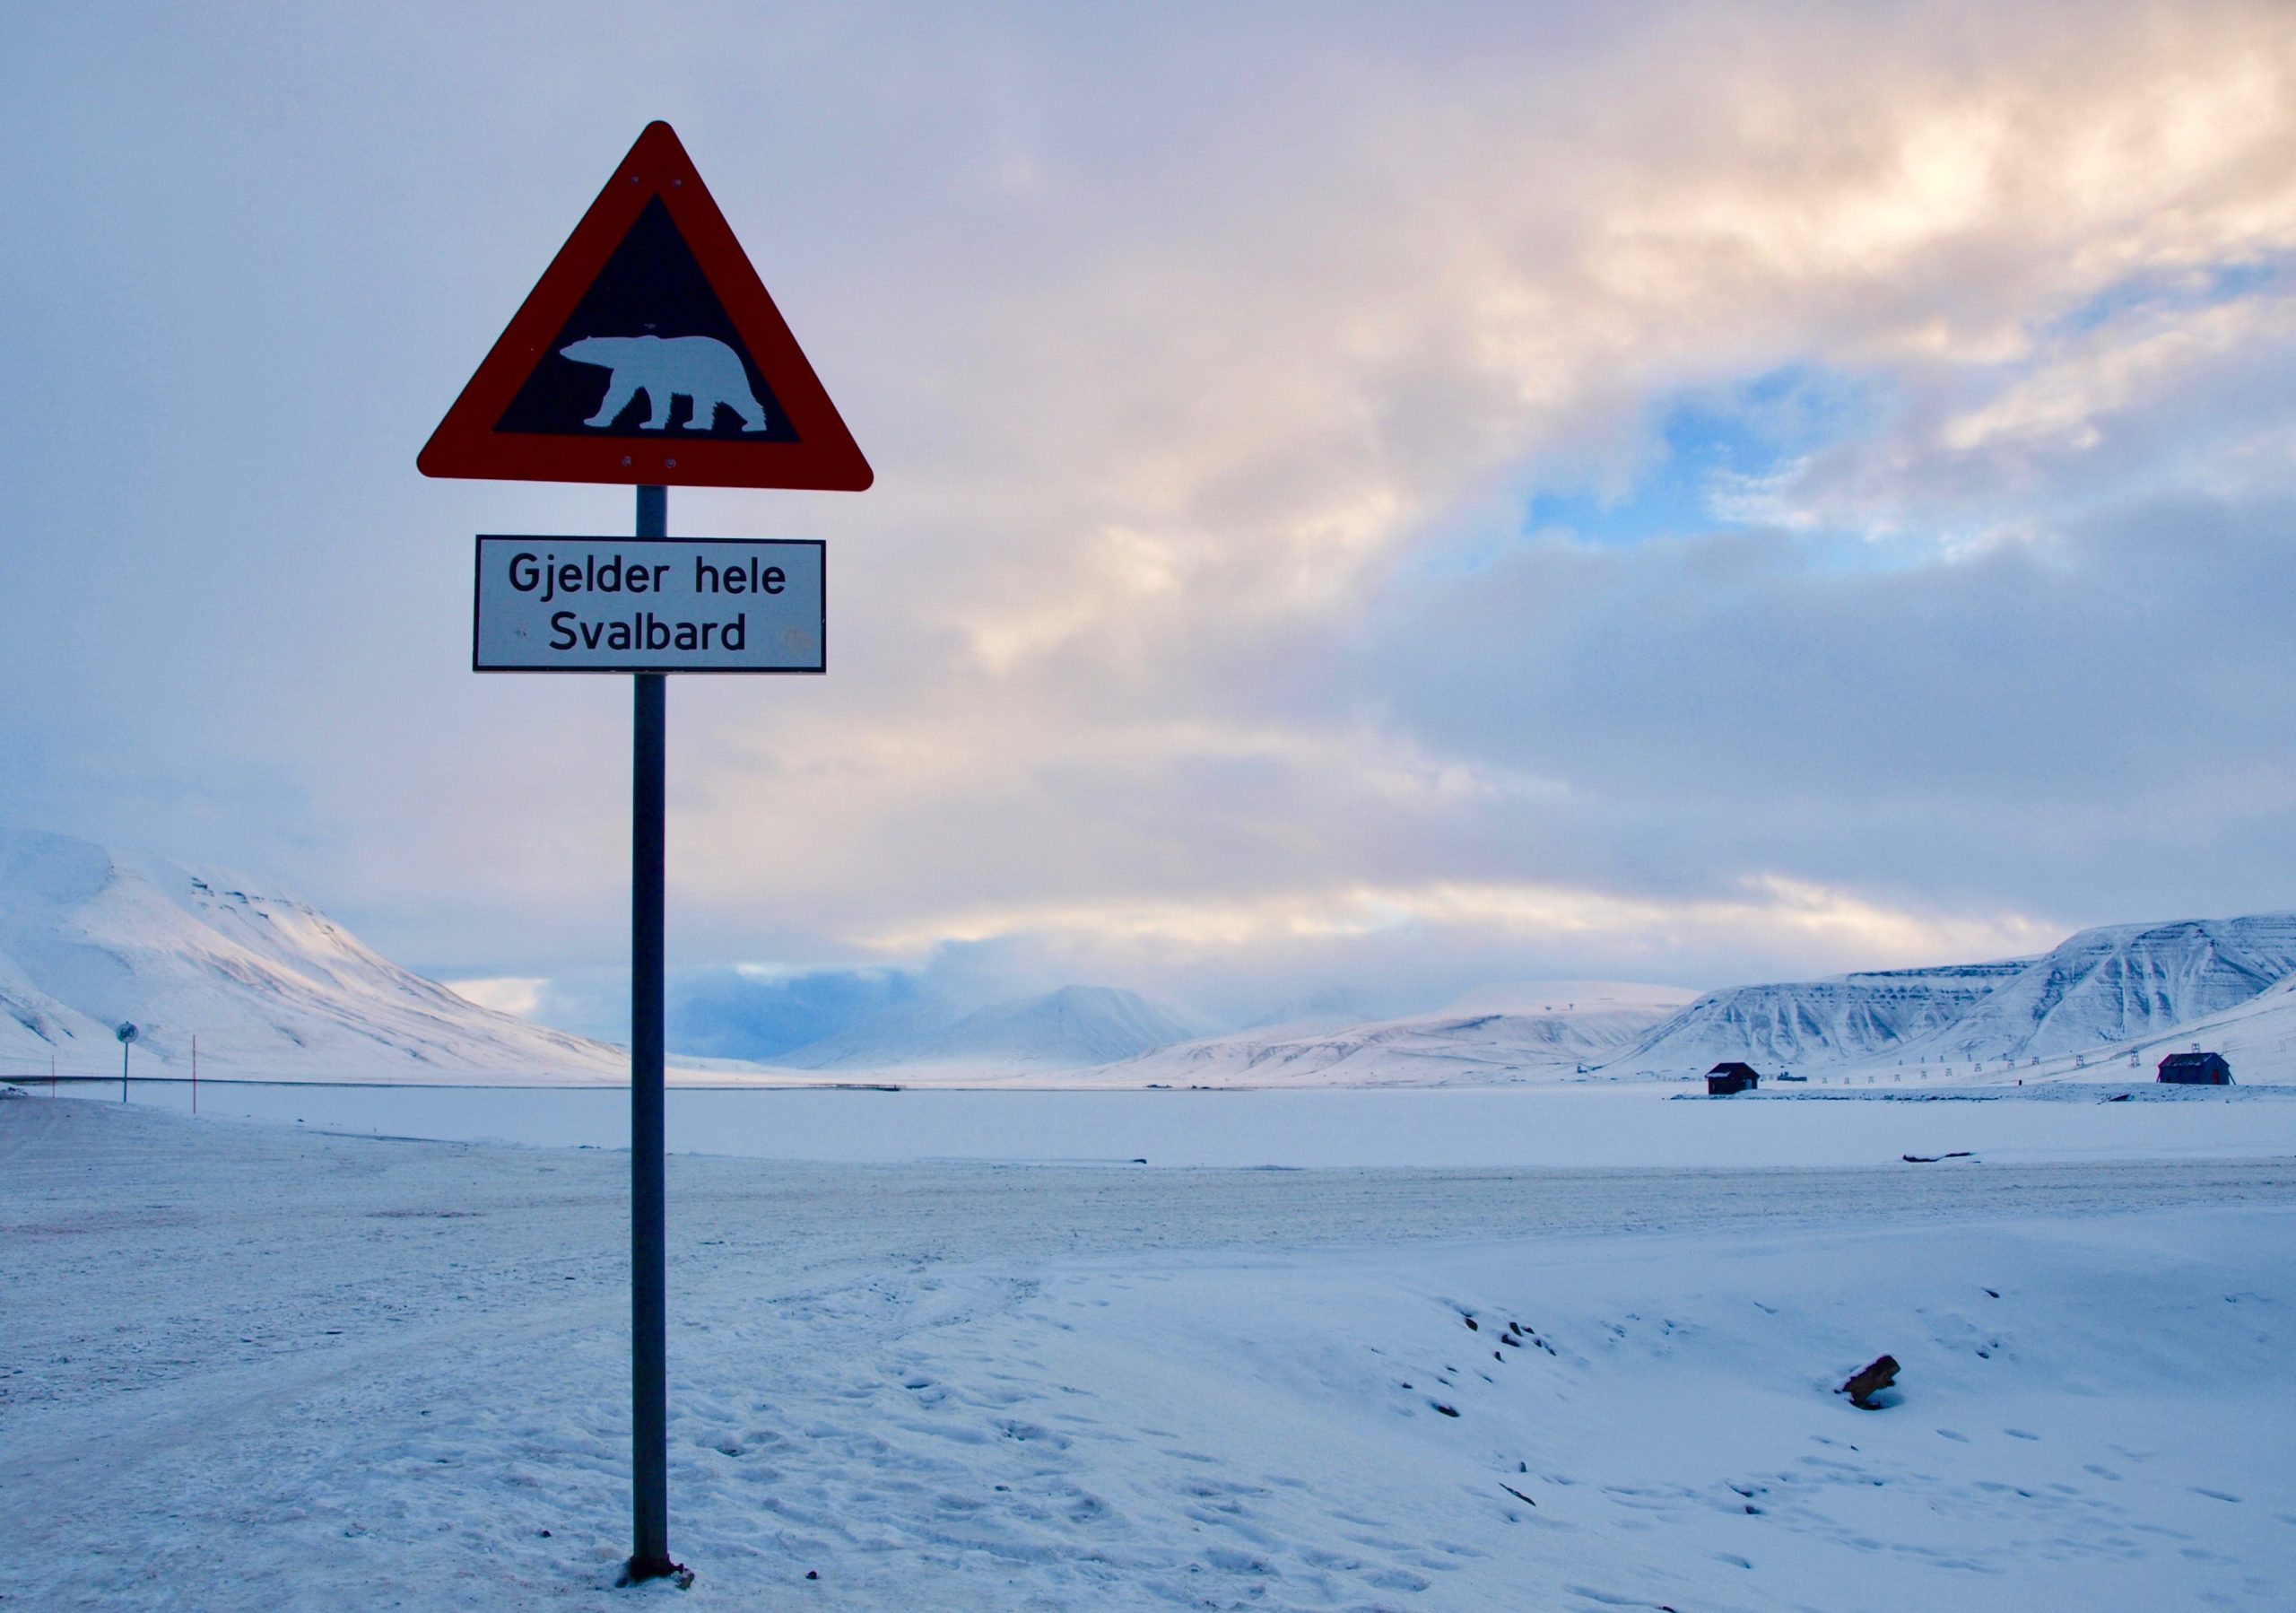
635, 1573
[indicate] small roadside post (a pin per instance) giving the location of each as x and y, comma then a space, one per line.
127, 1033
650, 355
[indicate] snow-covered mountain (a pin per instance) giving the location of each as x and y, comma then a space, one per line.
2120, 983
274, 989
1494, 1034
1332, 1008
271, 987
893, 1034
2257, 1038
1074, 1027
1846, 1017
2100, 989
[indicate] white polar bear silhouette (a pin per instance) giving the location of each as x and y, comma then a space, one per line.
701, 368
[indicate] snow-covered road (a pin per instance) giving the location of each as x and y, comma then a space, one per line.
248, 1366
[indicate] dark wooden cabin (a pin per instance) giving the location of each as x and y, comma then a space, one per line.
1725, 1079
2195, 1069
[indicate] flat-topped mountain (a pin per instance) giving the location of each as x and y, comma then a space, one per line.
2115, 984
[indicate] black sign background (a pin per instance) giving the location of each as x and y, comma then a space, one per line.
651, 286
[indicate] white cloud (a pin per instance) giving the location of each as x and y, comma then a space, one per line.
1769, 917
507, 994
2060, 401
1185, 343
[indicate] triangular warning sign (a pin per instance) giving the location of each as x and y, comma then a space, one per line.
648, 353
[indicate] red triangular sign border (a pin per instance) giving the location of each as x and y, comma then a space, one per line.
466, 443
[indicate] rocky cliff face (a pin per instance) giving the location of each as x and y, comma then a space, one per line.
2120, 983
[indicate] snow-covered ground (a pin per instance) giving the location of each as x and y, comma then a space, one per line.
247, 1366
1314, 1128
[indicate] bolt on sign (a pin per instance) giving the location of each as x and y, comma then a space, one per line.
649, 354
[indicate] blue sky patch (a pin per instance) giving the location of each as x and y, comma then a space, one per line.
1707, 443
2208, 287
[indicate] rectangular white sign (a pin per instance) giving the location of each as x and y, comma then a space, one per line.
649, 605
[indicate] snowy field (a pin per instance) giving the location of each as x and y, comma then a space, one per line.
1643, 1124
255, 1365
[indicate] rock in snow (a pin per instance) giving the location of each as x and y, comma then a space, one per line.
1869, 1380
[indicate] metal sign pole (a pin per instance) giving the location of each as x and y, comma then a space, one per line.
648, 1286
658, 239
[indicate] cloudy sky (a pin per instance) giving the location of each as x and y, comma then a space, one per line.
1377, 496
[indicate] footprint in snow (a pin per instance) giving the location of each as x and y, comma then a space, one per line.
1397, 1579
1015, 1428
2020, 1434
1958, 1438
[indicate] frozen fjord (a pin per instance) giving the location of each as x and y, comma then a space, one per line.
1642, 1124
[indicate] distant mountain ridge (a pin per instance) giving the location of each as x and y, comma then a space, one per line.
2113, 984
91, 938
1493, 1034
275, 989
2116, 986
2121, 983
1074, 1026
1842, 1016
